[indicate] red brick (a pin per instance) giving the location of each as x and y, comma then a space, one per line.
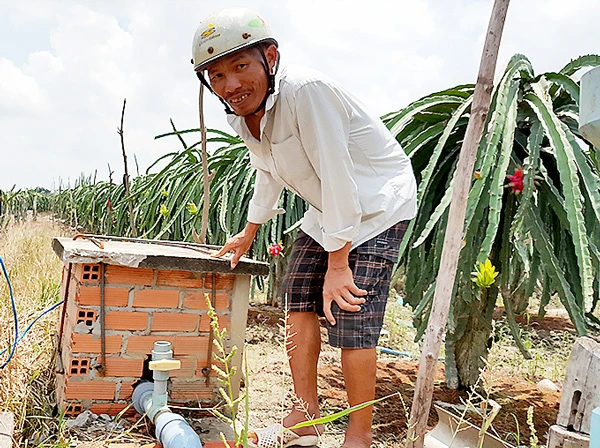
122, 275
87, 272
224, 322
191, 345
202, 364
174, 322
79, 367
126, 320
188, 367
72, 409
224, 281
156, 298
124, 367
126, 390
180, 279
94, 389
195, 300
191, 390
87, 343
144, 344
112, 409
90, 295
219, 444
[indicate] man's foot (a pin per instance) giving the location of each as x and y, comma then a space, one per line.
357, 440
297, 416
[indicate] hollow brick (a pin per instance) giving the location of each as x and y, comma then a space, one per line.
112, 409
144, 344
195, 300
191, 345
126, 390
93, 389
126, 320
174, 322
180, 279
122, 275
90, 296
188, 367
87, 272
191, 390
124, 367
87, 343
224, 281
156, 298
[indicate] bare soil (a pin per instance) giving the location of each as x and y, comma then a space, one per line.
268, 372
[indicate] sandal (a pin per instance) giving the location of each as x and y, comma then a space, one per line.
273, 435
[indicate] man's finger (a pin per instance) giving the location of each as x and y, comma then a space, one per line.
355, 290
352, 300
328, 313
344, 305
236, 258
223, 251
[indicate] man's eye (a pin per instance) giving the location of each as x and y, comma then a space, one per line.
242, 65
215, 77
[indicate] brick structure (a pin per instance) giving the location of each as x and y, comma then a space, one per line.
151, 292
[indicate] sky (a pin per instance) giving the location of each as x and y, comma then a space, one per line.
66, 66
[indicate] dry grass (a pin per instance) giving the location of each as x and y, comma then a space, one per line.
27, 382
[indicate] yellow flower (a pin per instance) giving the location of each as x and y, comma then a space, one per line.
165, 193
164, 210
192, 208
485, 274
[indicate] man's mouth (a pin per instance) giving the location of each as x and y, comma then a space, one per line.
239, 99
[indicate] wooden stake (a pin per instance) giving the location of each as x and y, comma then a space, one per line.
126, 175
454, 229
206, 178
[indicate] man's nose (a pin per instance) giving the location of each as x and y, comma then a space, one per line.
232, 83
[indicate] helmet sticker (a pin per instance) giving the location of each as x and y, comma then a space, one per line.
210, 30
257, 23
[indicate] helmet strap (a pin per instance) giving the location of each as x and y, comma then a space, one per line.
207, 85
270, 88
270, 78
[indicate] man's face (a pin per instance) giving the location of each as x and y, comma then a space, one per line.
240, 79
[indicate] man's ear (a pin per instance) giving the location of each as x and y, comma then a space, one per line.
271, 55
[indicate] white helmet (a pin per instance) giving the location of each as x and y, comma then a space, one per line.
227, 31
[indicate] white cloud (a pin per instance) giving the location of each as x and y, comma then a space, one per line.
19, 92
61, 97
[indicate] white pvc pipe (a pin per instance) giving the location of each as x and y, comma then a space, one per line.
171, 429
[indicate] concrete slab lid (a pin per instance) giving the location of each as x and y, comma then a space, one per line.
154, 255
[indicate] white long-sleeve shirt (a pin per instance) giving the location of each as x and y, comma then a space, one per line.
318, 141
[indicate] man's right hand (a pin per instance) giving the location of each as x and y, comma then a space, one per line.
239, 244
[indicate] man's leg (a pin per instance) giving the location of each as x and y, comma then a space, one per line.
304, 346
359, 367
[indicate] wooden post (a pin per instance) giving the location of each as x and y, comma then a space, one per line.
206, 178
454, 229
126, 175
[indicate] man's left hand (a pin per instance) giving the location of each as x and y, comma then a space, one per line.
339, 287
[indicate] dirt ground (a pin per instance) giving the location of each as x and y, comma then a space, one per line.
268, 373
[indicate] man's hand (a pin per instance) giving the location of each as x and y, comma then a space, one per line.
339, 286
239, 244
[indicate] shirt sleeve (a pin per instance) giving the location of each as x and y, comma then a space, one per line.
263, 205
324, 126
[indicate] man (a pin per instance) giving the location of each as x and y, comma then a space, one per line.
306, 134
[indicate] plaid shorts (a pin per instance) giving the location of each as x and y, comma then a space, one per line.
371, 263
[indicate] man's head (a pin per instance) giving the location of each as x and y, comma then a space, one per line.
236, 51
